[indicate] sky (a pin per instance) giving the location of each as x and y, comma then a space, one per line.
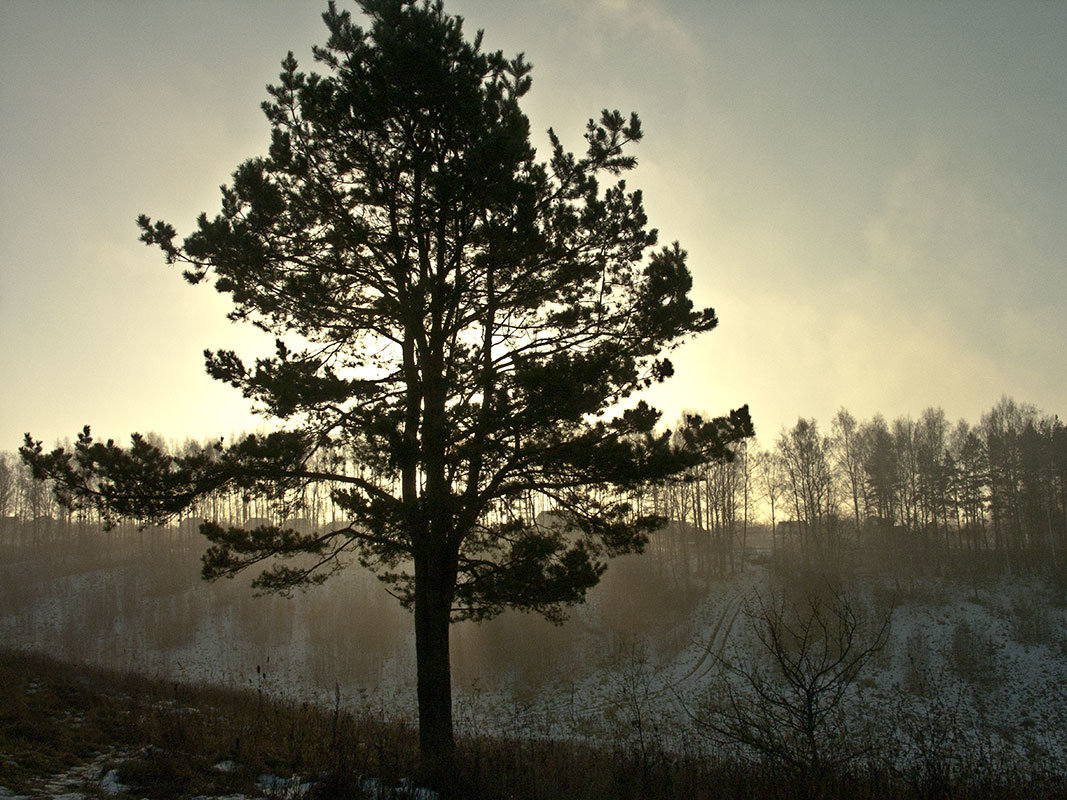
873, 195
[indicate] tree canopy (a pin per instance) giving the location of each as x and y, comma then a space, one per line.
464, 323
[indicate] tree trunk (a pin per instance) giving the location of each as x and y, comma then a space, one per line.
433, 603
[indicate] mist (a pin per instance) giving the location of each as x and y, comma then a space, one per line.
939, 549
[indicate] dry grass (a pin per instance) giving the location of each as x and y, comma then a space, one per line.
165, 740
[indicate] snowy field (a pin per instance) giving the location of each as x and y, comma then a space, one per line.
971, 670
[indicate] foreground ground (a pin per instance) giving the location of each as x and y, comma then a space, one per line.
74, 732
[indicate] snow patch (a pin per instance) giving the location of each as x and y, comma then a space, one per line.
407, 790
283, 788
110, 783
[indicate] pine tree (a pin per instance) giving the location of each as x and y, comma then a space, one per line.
461, 320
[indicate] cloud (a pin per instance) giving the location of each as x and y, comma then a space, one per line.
647, 17
963, 287
960, 235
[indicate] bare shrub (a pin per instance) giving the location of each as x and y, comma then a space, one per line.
972, 655
933, 739
637, 718
790, 707
917, 671
1030, 621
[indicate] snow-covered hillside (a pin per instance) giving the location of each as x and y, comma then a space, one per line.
975, 667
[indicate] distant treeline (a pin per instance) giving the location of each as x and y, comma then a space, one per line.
924, 493
25, 500
918, 493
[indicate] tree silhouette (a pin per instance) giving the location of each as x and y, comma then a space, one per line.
458, 318
790, 705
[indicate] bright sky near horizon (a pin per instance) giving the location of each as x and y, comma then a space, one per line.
873, 195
